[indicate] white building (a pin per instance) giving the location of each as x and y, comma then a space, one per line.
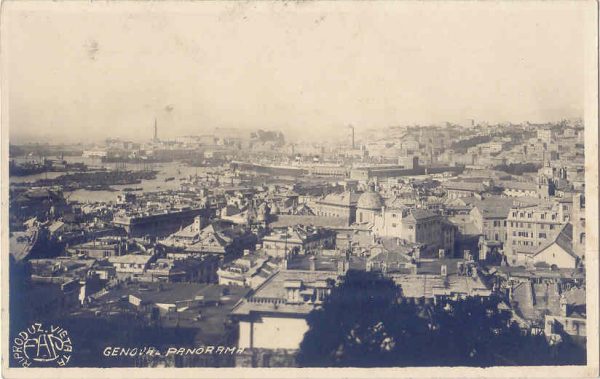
558, 252
274, 315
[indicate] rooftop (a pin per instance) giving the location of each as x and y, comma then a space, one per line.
370, 200
131, 258
494, 207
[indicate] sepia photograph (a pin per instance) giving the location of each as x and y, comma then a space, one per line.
218, 188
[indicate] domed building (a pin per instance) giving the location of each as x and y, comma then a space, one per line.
368, 206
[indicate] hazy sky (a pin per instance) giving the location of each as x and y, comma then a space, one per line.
94, 70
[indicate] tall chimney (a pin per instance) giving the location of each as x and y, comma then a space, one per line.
564, 307
342, 265
155, 130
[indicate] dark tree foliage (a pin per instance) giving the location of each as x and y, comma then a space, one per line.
366, 323
463, 145
518, 168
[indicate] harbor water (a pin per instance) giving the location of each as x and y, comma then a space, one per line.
168, 170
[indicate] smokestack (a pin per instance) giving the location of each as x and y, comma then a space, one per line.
155, 130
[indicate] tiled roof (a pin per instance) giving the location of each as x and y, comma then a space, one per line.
464, 186
130, 258
345, 199
575, 296
494, 207
420, 214
522, 186
318, 221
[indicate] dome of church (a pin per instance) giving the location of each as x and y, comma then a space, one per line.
370, 200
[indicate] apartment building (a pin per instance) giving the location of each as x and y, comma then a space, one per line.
530, 226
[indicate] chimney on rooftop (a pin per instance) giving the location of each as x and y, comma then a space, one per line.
312, 264
444, 270
564, 307
342, 265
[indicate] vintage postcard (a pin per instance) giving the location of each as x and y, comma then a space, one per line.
299, 189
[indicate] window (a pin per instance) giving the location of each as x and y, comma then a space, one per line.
542, 235
394, 225
543, 216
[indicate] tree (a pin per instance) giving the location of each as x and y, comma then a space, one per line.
365, 322
362, 324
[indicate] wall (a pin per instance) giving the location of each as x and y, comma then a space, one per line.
272, 333
555, 255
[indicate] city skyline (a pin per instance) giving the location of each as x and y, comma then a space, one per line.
291, 185
127, 66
